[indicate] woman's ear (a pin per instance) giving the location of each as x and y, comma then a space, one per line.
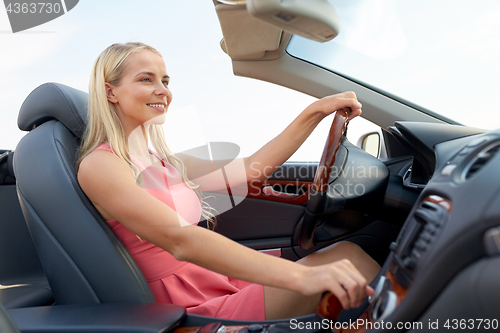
110, 93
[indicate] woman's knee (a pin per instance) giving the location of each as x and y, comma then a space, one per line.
343, 250
346, 247
331, 253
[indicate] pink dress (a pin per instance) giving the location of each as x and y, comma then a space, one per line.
199, 290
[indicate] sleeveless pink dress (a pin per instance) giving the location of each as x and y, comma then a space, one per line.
199, 290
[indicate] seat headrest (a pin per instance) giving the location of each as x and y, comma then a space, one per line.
54, 101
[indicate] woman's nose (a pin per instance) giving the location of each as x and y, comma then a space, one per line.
161, 89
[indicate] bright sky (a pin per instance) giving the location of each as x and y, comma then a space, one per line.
439, 54
210, 103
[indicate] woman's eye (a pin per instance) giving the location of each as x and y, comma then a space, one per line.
165, 83
146, 79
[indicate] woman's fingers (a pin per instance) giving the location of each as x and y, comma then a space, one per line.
352, 282
361, 284
341, 278
346, 101
341, 294
354, 113
355, 291
351, 113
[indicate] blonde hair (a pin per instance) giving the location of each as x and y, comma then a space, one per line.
105, 126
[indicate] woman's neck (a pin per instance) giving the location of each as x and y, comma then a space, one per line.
137, 141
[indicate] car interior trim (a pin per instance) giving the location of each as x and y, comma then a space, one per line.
248, 37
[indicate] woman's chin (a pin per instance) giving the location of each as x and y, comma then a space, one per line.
158, 120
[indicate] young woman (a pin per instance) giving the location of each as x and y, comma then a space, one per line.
153, 207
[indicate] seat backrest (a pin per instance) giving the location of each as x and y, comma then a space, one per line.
83, 259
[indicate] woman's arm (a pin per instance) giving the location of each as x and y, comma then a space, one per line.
264, 162
110, 185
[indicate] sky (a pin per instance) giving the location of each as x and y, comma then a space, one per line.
209, 101
209, 104
439, 54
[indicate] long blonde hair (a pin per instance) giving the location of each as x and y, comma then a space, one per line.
105, 126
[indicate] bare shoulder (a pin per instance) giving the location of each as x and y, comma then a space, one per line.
102, 164
111, 186
94, 159
103, 176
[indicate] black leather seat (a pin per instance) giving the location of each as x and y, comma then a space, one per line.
22, 279
26, 295
6, 324
83, 259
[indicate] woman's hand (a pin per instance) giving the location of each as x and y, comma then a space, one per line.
341, 278
345, 101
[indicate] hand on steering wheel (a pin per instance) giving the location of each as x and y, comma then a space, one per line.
315, 205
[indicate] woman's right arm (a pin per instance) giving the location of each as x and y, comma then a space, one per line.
110, 185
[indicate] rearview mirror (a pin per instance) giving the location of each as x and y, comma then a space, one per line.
370, 143
312, 19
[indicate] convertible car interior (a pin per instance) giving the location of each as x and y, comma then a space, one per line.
427, 210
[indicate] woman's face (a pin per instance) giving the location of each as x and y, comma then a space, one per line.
142, 96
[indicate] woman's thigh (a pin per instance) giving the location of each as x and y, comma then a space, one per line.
281, 303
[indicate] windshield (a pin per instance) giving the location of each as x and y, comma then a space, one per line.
442, 56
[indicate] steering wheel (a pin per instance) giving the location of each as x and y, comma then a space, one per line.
316, 203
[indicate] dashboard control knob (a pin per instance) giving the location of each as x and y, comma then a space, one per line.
421, 245
426, 237
410, 263
430, 228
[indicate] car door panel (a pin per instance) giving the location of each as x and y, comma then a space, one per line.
267, 221
255, 219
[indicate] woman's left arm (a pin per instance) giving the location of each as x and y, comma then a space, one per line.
264, 162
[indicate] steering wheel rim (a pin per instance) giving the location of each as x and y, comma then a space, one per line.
315, 204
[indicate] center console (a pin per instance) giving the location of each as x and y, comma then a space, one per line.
408, 256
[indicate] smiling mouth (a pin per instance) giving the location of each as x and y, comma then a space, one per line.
159, 107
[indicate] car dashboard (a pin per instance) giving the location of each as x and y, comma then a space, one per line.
443, 265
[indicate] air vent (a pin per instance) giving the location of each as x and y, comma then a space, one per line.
424, 228
481, 159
